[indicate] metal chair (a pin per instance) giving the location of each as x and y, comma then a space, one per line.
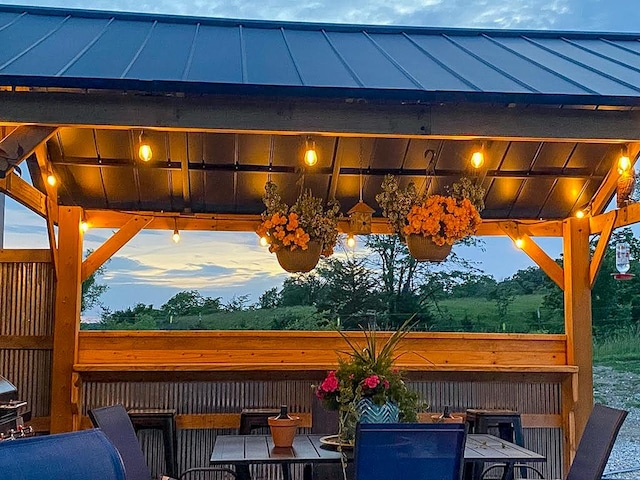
116, 425
403, 451
84, 455
595, 445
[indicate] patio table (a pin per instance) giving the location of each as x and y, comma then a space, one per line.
307, 449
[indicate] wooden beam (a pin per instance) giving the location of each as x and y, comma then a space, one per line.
607, 188
186, 183
298, 116
24, 194
577, 311
42, 159
66, 321
624, 216
118, 240
25, 255
249, 223
22, 142
601, 248
22, 342
531, 248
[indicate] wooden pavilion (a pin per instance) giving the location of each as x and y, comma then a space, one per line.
224, 105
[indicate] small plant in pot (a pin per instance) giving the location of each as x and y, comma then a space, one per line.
431, 224
298, 234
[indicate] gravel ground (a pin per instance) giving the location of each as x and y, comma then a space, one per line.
621, 390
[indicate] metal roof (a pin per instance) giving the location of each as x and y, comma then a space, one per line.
89, 49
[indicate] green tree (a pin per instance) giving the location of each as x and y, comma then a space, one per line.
190, 302
91, 289
270, 299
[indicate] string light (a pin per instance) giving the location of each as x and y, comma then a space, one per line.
144, 150
176, 234
580, 214
351, 240
51, 180
264, 241
519, 242
84, 226
477, 157
624, 164
310, 154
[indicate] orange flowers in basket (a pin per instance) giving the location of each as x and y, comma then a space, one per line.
443, 218
285, 230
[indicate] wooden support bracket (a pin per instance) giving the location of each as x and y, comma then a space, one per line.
601, 248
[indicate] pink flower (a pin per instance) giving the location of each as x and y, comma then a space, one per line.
351, 377
330, 384
372, 381
385, 383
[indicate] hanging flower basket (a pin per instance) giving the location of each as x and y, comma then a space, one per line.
423, 249
298, 260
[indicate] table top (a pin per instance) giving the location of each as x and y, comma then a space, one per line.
247, 449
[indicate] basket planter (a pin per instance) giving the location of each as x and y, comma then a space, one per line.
298, 260
424, 250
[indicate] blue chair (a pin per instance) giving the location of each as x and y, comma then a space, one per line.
404, 451
84, 455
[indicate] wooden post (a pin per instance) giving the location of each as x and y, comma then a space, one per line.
66, 321
577, 320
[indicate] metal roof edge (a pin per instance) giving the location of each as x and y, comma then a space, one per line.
337, 27
355, 95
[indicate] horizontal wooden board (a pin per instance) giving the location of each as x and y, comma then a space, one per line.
31, 342
18, 255
153, 351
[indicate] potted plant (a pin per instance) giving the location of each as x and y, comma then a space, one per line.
367, 387
298, 234
431, 224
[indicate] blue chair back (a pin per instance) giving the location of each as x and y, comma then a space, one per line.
84, 455
409, 451
116, 424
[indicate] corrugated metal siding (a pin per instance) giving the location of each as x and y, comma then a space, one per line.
76, 48
195, 446
26, 309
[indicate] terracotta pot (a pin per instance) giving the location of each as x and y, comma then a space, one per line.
424, 250
283, 430
298, 260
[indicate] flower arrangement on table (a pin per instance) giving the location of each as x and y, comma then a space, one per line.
440, 219
300, 226
367, 382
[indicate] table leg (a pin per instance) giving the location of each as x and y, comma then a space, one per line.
307, 472
242, 472
508, 472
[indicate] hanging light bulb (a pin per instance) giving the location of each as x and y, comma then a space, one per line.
624, 164
351, 240
477, 157
264, 241
310, 154
84, 226
144, 150
519, 242
176, 236
580, 214
51, 179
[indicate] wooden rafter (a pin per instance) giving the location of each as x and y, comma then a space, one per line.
335, 173
24, 194
601, 248
186, 183
118, 240
531, 248
623, 217
249, 223
51, 201
23, 141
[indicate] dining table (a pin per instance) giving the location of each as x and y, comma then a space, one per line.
319, 449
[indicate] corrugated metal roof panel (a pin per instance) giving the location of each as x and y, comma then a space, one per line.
89, 49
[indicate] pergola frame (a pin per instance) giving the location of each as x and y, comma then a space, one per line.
38, 115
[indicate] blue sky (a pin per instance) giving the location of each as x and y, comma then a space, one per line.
151, 268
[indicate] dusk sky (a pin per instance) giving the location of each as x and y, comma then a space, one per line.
151, 268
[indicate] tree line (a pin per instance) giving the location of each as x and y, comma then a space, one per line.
385, 287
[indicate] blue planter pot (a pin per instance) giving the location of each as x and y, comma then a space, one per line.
369, 412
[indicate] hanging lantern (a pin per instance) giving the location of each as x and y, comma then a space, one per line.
360, 219
623, 258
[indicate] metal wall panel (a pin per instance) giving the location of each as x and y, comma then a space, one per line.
26, 309
195, 446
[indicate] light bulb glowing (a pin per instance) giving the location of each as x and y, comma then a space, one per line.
519, 242
263, 241
624, 164
477, 159
176, 236
51, 180
84, 226
144, 150
310, 154
580, 214
351, 240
